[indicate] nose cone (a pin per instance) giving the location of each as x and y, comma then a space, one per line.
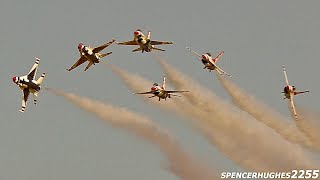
80, 46
15, 79
153, 89
204, 56
136, 33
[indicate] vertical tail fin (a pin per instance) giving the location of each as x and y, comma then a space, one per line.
149, 34
164, 82
39, 81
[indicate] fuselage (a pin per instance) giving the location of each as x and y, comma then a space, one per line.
208, 65
142, 41
288, 90
205, 61
160, 92
88, 53
24, 83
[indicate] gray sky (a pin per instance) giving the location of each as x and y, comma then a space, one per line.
56, 140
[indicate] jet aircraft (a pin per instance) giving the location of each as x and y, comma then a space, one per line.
160, 91
209, 62
144, 42
289, 92
92, 55
28, 84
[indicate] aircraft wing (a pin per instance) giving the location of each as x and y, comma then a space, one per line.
160, 42
149, 92
218, 56
34, 69
176, 91
285, 75
25, 96
194, 52
220, 71
79, 62
293, 107
100, 48
133, 42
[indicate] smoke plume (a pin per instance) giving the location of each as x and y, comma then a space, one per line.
250, 144
309, 123
137, 83
265, 114
180, 162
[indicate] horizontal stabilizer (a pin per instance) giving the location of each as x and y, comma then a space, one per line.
158, 49
106, 54
90, 64
300, 92
138, 49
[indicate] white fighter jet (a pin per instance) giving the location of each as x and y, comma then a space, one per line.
160, 91
28, 84
144, 42
289, 92
209, 62
90, 54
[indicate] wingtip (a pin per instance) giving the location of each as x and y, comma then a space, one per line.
37, 58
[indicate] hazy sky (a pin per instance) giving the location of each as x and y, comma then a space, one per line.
56, 140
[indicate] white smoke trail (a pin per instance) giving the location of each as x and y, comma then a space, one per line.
252, 145
309, 123
180, 162
264, 114
137, 83
177, 105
